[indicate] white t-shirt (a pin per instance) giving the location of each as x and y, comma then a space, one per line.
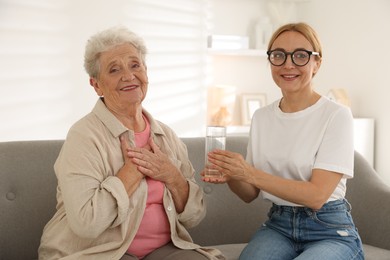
291, 145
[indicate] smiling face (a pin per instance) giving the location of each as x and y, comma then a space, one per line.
122, 79
290, 77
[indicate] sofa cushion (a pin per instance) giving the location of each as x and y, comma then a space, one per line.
231, 251
376, 253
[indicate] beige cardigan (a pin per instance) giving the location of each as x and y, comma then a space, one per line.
95, 218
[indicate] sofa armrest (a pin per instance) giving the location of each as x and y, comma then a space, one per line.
370, 200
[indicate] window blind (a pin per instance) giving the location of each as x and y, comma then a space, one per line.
32, 58
175, 32
44, 87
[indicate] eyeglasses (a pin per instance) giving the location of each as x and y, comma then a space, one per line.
298, 57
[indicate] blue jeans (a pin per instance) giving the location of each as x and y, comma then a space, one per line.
302, 233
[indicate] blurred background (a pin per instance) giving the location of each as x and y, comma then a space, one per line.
206, 62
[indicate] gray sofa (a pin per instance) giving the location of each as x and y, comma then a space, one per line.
28, 188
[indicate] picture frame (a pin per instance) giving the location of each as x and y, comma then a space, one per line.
250, 102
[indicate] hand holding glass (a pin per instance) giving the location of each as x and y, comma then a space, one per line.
215, 139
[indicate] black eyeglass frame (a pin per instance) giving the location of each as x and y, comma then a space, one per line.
310, 53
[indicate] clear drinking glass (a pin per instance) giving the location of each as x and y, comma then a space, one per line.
215, 139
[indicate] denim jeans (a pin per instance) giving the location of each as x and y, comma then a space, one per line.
302, 233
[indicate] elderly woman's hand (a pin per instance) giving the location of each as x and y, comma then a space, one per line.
153, 163
156, 165
128, 174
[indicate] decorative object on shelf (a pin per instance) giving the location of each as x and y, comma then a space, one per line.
220, 104
228, 42
283, 11
340, 96
249, 104
263, 32
222, 117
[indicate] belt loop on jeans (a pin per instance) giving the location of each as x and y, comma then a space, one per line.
347, 205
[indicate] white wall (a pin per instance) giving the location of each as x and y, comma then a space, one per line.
356, 39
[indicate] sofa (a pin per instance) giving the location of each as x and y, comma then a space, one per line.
28, 199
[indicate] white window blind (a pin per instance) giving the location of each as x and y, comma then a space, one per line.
42, 79
175, 32
32, 68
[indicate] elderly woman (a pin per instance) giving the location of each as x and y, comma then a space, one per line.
126, 187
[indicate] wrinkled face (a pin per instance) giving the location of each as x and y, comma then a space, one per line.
290, 77
122, 79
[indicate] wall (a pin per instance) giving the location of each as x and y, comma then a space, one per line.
355, 39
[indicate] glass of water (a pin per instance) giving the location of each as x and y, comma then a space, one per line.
215, 139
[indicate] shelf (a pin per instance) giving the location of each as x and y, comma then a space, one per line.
242, 52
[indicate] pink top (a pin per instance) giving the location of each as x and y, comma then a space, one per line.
154, 230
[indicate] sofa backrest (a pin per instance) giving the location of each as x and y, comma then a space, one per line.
369, 196
28, 195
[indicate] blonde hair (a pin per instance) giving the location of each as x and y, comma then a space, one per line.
302, 28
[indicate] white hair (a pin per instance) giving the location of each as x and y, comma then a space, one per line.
107, 39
